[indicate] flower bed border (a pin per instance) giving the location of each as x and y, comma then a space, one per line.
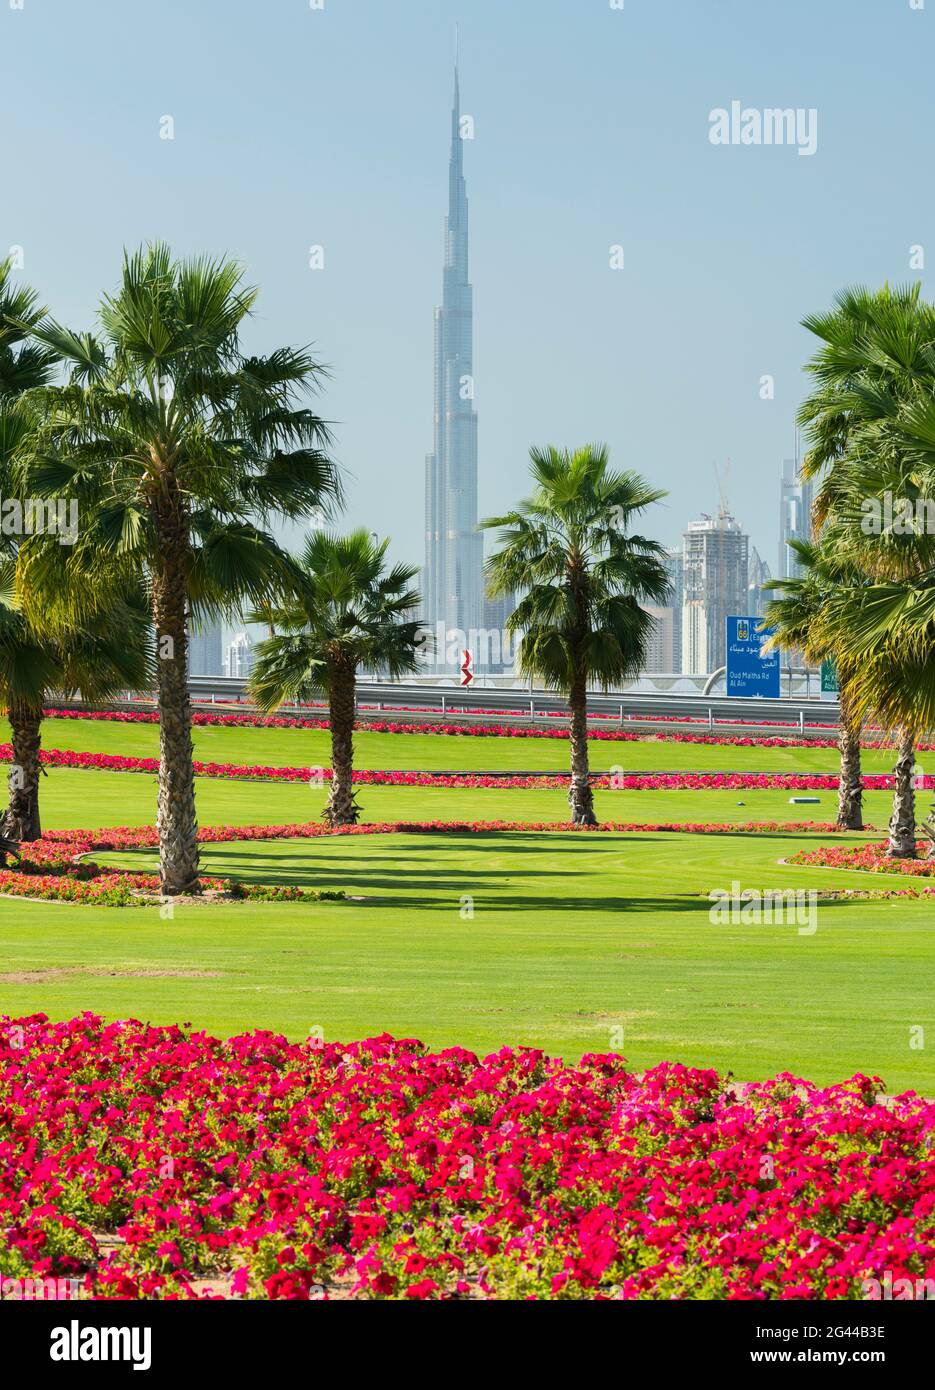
866, 858
474, 781
117, 839
385, 726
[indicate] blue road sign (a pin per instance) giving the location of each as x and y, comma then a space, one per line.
749, 672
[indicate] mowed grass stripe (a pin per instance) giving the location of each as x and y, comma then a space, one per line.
441, 752
73, 798
571, 937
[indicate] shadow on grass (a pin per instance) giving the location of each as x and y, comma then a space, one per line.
675, 905
436, 870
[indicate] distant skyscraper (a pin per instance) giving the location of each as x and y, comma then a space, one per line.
664, 648
675, 564
660, 650
795, 512
206, 651
452, 581
496, 648
715, 577
759, 574
240, 657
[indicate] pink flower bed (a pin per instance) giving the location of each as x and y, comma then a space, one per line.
149, 1162
870, 859
658, 781
85, 884
91, 886
57, 870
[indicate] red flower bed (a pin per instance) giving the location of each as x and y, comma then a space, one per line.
119, 838
138, 1160
89, 885
871, 859
383, 726
56, 870
654, 781
85, 884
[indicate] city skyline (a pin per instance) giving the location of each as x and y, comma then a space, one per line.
339, 131
722, 577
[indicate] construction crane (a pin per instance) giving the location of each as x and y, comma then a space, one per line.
722, 483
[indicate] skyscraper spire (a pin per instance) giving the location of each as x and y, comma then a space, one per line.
457, 153
452, 582
456, 104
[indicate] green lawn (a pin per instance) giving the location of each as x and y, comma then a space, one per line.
439, 752
72, 797
571, 938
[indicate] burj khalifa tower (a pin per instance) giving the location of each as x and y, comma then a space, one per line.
452, 581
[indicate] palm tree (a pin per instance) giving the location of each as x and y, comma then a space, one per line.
569, 551
805, 616
23, 674
23, 364
874, 371
796, 620
111, 653
902, 828
888, 620
349, 611
877, 349
179, 449
886, 676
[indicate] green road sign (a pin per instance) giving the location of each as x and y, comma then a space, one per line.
829, 680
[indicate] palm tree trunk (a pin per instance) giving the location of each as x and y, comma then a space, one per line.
21, 821
903, 821
850, 785
580, 793
341, 809
175, 819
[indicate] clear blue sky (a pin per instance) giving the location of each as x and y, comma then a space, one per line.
296, 126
